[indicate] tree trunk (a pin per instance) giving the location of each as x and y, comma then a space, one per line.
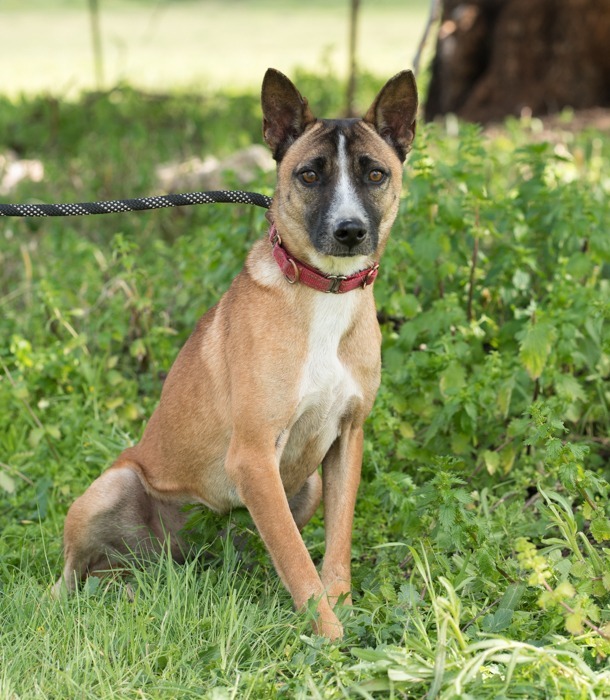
500, 57
353, 67
96, 41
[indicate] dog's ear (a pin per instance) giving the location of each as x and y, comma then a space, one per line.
286, 113
393, 112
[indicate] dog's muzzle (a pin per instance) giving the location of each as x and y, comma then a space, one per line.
350, 233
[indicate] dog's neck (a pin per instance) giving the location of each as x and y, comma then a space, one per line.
295, 271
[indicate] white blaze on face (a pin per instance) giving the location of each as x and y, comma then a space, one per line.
345, 204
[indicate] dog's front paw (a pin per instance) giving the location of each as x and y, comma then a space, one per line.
325, 623
328, 626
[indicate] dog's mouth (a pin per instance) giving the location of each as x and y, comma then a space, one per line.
340, 262
329, 246
346, 253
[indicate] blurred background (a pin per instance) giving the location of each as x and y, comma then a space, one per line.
64, 46
482, 59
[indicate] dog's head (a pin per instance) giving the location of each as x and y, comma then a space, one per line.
339, 180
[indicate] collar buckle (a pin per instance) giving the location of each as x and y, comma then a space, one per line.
275, 237
336, 283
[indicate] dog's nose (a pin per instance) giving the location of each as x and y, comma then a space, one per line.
350, 232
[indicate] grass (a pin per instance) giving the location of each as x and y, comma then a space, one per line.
152, 639
211, 44
480, 556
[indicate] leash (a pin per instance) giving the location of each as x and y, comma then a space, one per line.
293, 270
113, 206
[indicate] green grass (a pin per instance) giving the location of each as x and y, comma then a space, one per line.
480, 554
169, 45
174, 632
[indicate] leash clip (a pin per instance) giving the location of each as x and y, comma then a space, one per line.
276, 238
370, 278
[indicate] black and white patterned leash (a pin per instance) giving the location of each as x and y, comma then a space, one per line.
113, 206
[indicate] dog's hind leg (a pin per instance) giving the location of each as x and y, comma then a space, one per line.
305, 503
114, 520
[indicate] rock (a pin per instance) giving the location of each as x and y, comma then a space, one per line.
209, 174
13, 171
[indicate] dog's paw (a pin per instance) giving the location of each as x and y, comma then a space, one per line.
332, 629
59, 589
326, 623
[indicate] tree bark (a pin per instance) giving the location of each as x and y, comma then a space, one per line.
499, 57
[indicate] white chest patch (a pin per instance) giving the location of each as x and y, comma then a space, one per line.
323, 371
327, 385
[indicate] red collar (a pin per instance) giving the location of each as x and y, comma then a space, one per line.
296, 271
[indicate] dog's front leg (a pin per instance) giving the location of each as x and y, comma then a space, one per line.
253, 468
341, 477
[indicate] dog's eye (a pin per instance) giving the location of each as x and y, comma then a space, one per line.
309, 177
376, 176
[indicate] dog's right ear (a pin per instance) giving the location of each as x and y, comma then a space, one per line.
393, 112
286, 113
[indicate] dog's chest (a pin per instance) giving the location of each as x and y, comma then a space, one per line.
326, 388
326, 380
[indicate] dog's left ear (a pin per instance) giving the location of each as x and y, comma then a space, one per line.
286, 113
393, 112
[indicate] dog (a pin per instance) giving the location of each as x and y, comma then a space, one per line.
278, 377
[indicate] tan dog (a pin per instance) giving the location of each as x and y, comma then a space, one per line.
279, 377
